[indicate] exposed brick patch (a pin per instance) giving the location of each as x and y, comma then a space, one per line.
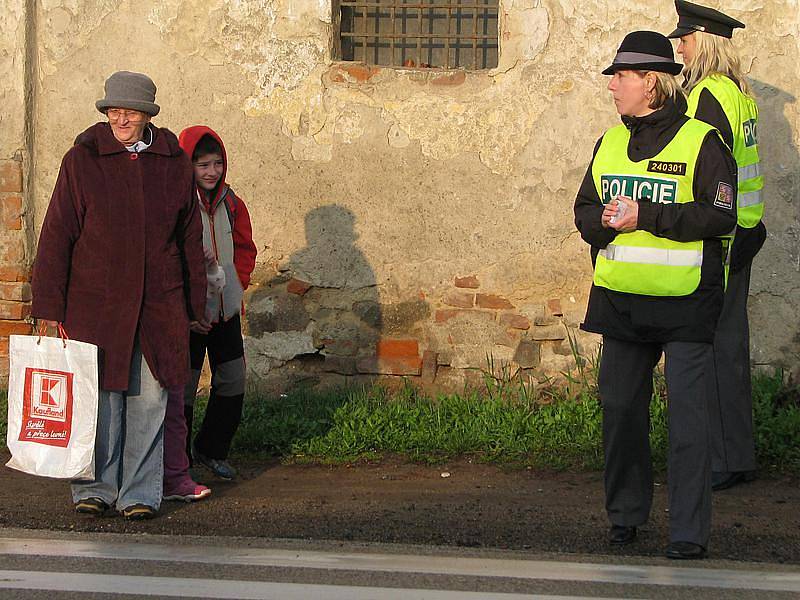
14, 273
545, 320
460, 299
470, 282
13, 253
508, 338
445, 314
548, 332
397, 349
15, 328
12, 212
562, 348
10, 176
352, 73
341, 347
390, 366
14, 311
16, 291
515, 321
492, 301
298, 286
527, 354
456, 78
430, 360
554, 306
344, 365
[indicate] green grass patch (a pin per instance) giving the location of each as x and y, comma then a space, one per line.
508, 422
776, 419
558, 427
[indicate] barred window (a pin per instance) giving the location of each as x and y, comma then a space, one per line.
419, 33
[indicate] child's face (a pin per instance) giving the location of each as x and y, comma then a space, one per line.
208, 169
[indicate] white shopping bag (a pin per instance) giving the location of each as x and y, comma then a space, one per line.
52, 406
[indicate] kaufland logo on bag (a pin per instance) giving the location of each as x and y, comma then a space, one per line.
47, 407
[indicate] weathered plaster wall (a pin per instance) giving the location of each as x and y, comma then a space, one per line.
16, 101
373, 190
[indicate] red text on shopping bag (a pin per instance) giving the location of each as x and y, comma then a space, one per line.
47, 407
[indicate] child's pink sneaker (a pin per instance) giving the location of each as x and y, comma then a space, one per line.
189, 493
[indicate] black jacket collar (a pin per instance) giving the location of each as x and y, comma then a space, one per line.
650, 134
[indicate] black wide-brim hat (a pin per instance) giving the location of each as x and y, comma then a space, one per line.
644, 51
693, 17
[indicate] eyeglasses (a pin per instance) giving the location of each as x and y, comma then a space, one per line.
134, 116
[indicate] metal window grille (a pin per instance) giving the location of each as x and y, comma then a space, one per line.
420, 33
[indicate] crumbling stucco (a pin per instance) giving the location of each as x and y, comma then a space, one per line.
12, 84
375, 191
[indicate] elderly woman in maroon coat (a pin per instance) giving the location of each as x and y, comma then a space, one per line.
120, 264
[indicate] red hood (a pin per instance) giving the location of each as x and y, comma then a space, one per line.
188, 139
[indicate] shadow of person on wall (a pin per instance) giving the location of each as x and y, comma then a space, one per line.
343, 302
780, 160
321, 313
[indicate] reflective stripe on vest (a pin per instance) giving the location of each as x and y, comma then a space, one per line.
750, 199
741, 112
640, 262
749, 172
670, 257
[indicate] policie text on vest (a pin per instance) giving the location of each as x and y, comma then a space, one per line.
654, 189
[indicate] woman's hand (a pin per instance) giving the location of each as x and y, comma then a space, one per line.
627, 221
47, 324
202, 326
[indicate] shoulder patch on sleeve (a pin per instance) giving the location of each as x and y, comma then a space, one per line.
724, 197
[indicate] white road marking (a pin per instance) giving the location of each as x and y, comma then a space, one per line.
91, 583
744, 579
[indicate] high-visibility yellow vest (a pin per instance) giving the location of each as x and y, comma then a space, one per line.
742, 114
640, 262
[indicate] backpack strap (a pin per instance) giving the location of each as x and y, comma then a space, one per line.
231, 204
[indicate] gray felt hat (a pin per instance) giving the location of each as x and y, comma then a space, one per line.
134, 91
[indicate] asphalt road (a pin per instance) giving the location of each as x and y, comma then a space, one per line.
80, 565
476, 506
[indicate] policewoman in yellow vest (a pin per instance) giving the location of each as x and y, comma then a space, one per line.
719, 95
658, 194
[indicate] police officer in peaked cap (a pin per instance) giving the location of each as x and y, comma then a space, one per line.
693, 17
660, 190
718, 94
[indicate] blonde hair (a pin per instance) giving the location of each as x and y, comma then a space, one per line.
666, 86
714, 55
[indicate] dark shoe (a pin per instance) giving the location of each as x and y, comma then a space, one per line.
220, 468
685, 551
91, 506
139, 512
724, 480
619, 535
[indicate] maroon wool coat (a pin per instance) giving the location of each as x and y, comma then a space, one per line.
121, 251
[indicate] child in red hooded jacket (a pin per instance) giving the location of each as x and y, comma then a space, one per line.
228, 243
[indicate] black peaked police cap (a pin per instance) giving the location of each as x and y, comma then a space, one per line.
644, 51
693, 17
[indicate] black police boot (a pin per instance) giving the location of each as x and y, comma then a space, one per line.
722, 480
620, 535
685, 551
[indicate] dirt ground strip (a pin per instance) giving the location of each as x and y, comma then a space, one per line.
458, 504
